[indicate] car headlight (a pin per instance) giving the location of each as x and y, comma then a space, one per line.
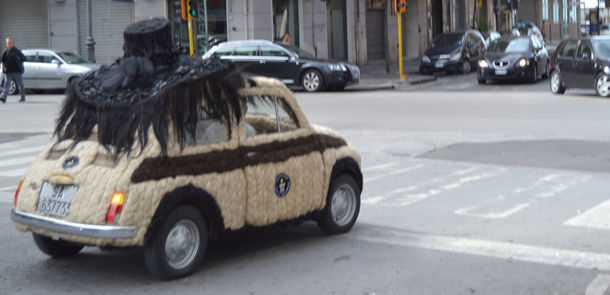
337, 67
523, 62
483, 63
607, 70
426, 58
456, 57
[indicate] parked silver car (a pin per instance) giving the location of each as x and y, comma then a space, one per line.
51, 69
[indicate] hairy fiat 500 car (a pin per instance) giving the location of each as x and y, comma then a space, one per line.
166, 152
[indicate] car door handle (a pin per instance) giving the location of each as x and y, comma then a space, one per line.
261, 61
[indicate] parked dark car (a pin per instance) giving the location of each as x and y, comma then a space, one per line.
290, 64
582, 63
453, 52
514, 58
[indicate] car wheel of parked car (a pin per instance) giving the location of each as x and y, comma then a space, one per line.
534, 76
177, 247
556, 86
602, 85
342, 205
466, 66
311, 80
56, 248
481, 81
12, 89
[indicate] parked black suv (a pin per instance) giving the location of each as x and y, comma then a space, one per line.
453, 52
291, 65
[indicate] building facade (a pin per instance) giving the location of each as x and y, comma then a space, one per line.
359, 31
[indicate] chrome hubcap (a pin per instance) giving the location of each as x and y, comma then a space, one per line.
602, 86
311, 81
12, 87
182, 244
343, 205
555, 82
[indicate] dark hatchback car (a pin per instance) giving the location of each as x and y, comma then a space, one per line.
582, 63
453, 52
289, 64
514, 58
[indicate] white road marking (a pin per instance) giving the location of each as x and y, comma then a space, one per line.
596, 217
379, 167
17, 161
542, 180
395, 172
13, 173
492, 215
491, 249
8, 188
25, 150
414, 198
599, 286
7, 197
563, 186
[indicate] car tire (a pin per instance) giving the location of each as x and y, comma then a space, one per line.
56, 248
481, 81
556, 84
534, 77
602, 85
312, 81
342, 205
183, 231
466, 66
12, 89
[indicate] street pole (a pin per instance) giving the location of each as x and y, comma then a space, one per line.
90, 41
190, 25
400, 62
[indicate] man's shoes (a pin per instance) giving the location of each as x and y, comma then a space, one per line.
3, 100
22, 100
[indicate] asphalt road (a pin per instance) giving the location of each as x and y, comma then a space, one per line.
469, 189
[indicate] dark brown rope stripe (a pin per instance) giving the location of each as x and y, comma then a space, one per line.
227, 160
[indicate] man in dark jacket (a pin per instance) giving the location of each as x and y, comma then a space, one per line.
12, 66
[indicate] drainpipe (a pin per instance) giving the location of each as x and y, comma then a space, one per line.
357, 30
313, 31
246, 33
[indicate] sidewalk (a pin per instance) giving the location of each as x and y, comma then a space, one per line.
373, 76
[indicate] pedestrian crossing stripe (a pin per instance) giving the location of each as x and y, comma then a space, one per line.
27, 150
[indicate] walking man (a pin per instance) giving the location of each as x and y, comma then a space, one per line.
12, 66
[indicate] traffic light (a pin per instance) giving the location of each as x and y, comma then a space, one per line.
400, 6
192, 9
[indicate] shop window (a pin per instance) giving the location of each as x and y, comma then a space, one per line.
545, 10
555, 12
286, 21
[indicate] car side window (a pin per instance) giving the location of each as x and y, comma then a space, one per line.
30, 56
568, 50
246, 50
269, 50
45, 57
583, 49
268, 115
224, 51
210, 128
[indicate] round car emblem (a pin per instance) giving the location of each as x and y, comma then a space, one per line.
70, 162
282, 184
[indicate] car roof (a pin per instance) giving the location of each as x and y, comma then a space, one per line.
238, 42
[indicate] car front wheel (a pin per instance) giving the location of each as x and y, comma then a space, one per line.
177, 247
556, 84
56, 248
342, 206
311, 81
466, 67
602, 85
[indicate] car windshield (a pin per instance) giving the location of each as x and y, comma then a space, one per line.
72, 58
601, 48
300, 52
509, 46
447, 40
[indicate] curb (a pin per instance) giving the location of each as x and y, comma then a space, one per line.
422, 81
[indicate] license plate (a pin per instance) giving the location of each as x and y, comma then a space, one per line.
439, 65
501, 72
55, 199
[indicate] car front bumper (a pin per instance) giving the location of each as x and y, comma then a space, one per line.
72, 228
440, 66
514, 73
342, 78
